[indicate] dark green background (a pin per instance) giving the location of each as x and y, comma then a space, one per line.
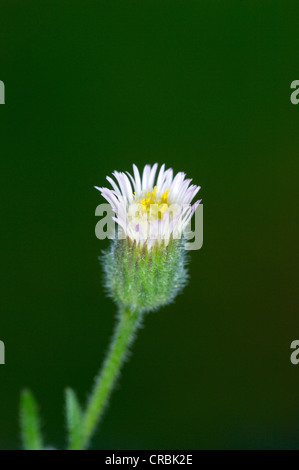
204, 86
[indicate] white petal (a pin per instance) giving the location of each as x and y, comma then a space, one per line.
128, 187
176, 185
167, 180
145, 177
160, 177
113, 184
132, 180
120, 179
137, 179
152, 175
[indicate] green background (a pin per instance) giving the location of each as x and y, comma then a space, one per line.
204, 86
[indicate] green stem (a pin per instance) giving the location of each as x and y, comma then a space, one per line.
104, 382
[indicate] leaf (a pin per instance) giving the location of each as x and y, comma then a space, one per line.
30, 423
74, 420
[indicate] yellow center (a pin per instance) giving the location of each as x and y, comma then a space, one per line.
153, 206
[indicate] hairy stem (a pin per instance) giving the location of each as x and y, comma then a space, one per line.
104, 382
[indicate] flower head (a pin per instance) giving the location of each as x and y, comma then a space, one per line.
146, 268
151, 208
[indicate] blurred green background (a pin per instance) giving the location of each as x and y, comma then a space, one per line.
204, 86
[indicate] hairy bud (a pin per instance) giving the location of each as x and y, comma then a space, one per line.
143, 279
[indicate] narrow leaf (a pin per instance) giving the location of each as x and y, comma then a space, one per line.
30, 424
74, 420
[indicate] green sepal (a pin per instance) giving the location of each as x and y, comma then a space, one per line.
144, 279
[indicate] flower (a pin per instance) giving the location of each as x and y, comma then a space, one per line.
149, 209
146, 268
